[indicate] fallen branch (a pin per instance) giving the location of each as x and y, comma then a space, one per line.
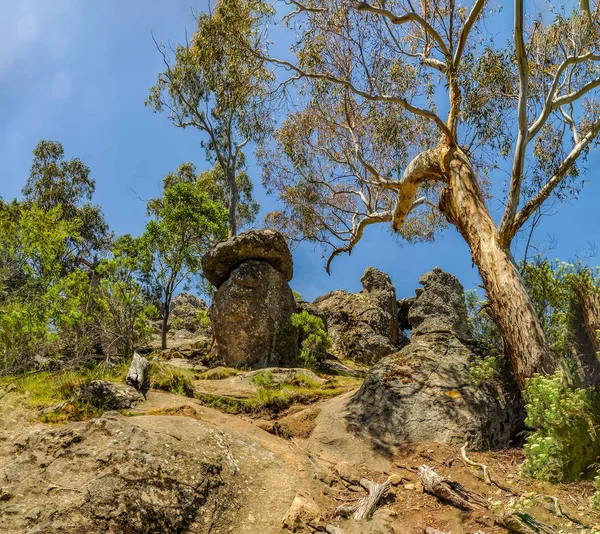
522, 523
330, 529
449, 490
486, 472
431, 530
555, 507
367, 505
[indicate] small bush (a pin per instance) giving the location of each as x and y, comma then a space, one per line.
563, 443
315, 341
484, 370
203, 319
263, 380
178, 381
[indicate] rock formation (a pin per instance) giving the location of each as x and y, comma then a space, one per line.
109, 395
426, 392
147, 474
363, 326
251, 309
184, 311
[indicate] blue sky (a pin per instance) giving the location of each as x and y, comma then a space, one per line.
79, 72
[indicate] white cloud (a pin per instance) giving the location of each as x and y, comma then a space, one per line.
21, 35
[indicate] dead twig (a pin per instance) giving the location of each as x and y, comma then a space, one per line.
450, 490
486, 472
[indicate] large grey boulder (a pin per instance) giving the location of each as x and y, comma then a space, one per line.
149, 474
264, 245
363, 326
426, 391
250, 315
109, 395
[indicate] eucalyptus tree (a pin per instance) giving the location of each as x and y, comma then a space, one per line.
214, 85
185, 224
404, 111
55, 182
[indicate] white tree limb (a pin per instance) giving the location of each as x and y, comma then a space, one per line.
466, 30
403, 19
533, 204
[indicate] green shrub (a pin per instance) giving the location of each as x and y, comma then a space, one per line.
203, 319
563, 443
166, 378
263, 380
297, 296
484, 370
315, 341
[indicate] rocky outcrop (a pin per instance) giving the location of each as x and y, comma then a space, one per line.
109, 395
184, 312
426, 392
251, 310
266, 246
363, 326
143, 475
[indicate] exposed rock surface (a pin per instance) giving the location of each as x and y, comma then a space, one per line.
251, 314
363, 326
110, 395
425, 392
184, 310
263, 245
144, 475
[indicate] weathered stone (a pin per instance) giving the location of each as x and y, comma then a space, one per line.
363, 326
441, 307
304, 515
184, 311
147, 474
109, 395
251, 314
138, 375
425, 392
263, 245
403, 308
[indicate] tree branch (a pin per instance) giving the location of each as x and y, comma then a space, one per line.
425, 166
551, 184
523, 136
408, 17
466, 30
426, 113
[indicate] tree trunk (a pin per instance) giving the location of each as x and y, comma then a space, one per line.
233, 200
463, 205
165, 327
589, 301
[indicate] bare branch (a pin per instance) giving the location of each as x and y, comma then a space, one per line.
523, 136
552, 102
466, 30
379, 217
425, 166
551, 184
408, 17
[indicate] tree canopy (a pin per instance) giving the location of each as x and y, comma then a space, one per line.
212, 84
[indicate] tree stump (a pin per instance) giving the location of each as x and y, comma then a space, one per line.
138, 375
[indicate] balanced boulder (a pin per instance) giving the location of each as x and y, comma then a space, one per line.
266, 246
363, 326
251, 310
427, 391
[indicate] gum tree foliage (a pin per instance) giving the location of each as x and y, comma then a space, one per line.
186, 222
403, 112
212, 84
213, 182
54, 182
